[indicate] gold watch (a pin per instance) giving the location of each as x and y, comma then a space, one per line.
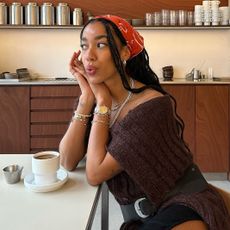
102, 110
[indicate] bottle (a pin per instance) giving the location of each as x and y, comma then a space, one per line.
77, 17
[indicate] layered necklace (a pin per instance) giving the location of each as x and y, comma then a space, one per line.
121, 105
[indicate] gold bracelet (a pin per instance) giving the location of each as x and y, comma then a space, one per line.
81, 117
100, 122
82, 121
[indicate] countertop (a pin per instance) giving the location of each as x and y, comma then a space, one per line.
72, 81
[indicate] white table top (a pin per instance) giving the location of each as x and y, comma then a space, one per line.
66, 208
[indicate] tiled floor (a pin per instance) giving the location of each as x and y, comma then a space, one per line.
115, 216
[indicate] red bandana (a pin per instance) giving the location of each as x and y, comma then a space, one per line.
135, 41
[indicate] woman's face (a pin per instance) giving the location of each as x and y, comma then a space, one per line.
96, 55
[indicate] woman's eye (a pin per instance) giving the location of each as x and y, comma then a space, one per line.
83, 46
101, 45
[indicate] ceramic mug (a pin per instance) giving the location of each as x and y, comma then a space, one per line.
45, 166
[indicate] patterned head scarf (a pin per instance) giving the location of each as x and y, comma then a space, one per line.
135, 42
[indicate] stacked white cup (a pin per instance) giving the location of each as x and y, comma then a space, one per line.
207, 12
215, 12
198, 15
224, 15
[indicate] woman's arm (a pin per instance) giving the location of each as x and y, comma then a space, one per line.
100, 165
72, 145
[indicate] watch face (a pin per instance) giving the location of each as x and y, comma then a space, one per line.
102, 110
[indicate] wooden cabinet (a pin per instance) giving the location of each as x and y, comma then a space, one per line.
185, 97
14, 119
51, 108
212, 132
205, 111
35, 118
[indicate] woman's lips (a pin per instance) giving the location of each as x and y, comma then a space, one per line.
91, 70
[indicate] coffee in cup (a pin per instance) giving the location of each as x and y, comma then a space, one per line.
45, 165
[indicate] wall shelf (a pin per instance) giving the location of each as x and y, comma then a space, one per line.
137, 27
183, 27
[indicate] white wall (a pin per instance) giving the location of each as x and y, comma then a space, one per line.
46, 52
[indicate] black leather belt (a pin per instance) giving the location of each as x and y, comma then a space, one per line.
192, 181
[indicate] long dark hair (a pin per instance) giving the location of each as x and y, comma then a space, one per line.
136, 67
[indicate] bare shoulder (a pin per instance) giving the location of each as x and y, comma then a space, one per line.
144, 96
138, 99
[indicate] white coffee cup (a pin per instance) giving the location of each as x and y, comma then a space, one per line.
45, 166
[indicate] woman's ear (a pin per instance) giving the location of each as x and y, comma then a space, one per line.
125, 53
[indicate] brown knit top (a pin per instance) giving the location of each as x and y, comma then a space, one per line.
147, 146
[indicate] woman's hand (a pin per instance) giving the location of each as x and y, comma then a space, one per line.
77, 69
102, 94
90, 92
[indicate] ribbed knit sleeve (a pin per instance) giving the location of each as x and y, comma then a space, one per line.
147, 145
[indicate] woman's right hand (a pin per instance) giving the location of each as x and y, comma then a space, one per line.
77, 69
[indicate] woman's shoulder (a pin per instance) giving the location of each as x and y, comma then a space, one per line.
144, 104
149, 99
148, 108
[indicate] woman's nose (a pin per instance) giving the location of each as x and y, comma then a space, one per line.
91, 56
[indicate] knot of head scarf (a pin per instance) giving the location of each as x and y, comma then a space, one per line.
135, 42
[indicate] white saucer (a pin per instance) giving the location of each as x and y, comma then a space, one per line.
62, 177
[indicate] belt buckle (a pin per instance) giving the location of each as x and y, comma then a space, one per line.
138, 208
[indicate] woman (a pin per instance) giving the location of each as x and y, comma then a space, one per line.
128, 126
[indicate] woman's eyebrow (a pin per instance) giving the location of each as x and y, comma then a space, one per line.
98, 37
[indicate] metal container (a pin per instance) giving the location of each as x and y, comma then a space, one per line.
32, 14
63, 14
3, 13
47, 14
77, 17
16, 13
12, 173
